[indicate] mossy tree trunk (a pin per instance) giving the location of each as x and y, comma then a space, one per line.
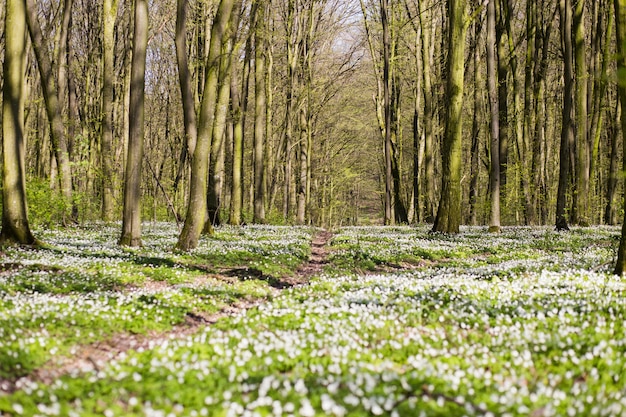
567, 127
15, 226
448, 218
260, 45
620, 14
109, 15
131, 220
197, 206
492, 87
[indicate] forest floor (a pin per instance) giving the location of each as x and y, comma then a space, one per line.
268, 320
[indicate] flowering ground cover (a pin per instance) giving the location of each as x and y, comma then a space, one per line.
82, 288
527, 322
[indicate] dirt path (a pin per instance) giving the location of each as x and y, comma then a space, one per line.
317, 260
95, 356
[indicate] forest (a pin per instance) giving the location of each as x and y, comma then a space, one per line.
313, 208
324, 112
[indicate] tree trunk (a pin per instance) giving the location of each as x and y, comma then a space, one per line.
611, 187
504, 63
108, 49
131, 215
387, 150
583, 147
567, 128
476, 127
531, 38
620, 21
239, 105
53, 109
492, 88
429, 116
15, 226
236, 183
184, 78
197, 207
448, 218
216, 167
259, 113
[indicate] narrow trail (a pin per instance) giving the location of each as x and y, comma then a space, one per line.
95, 356
317, 260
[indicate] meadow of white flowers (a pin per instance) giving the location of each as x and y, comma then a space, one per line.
525, 323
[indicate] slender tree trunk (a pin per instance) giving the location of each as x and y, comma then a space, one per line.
429, 116
197, 208
15, 226
448, 218
53, 109
476, 126
504, 66
236, 184
216, 167
259, 113
531, 37
387, 150
131, 215
184, 78
106, 141
620, 21
582, 144
611, 188
492, 88
239, 105
567, 129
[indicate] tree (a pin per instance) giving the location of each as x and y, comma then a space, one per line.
620, 22
51, 92
260, 48
492, 83
131, 220
583, 147
448, 218
429, 116
15, 226
197, 206
109, 15
567, 127
217, 153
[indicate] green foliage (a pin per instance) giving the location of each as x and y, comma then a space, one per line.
45, 205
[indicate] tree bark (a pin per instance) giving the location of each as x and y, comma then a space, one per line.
504, 66
131, 215
429, 116
239, 104
259, 113
197, 207
15, 226
448, 218
583, 146
184, 78
216, 167
611, 187
387, 150
106, 141
492, 88
476, 126
567, 128
620, 22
